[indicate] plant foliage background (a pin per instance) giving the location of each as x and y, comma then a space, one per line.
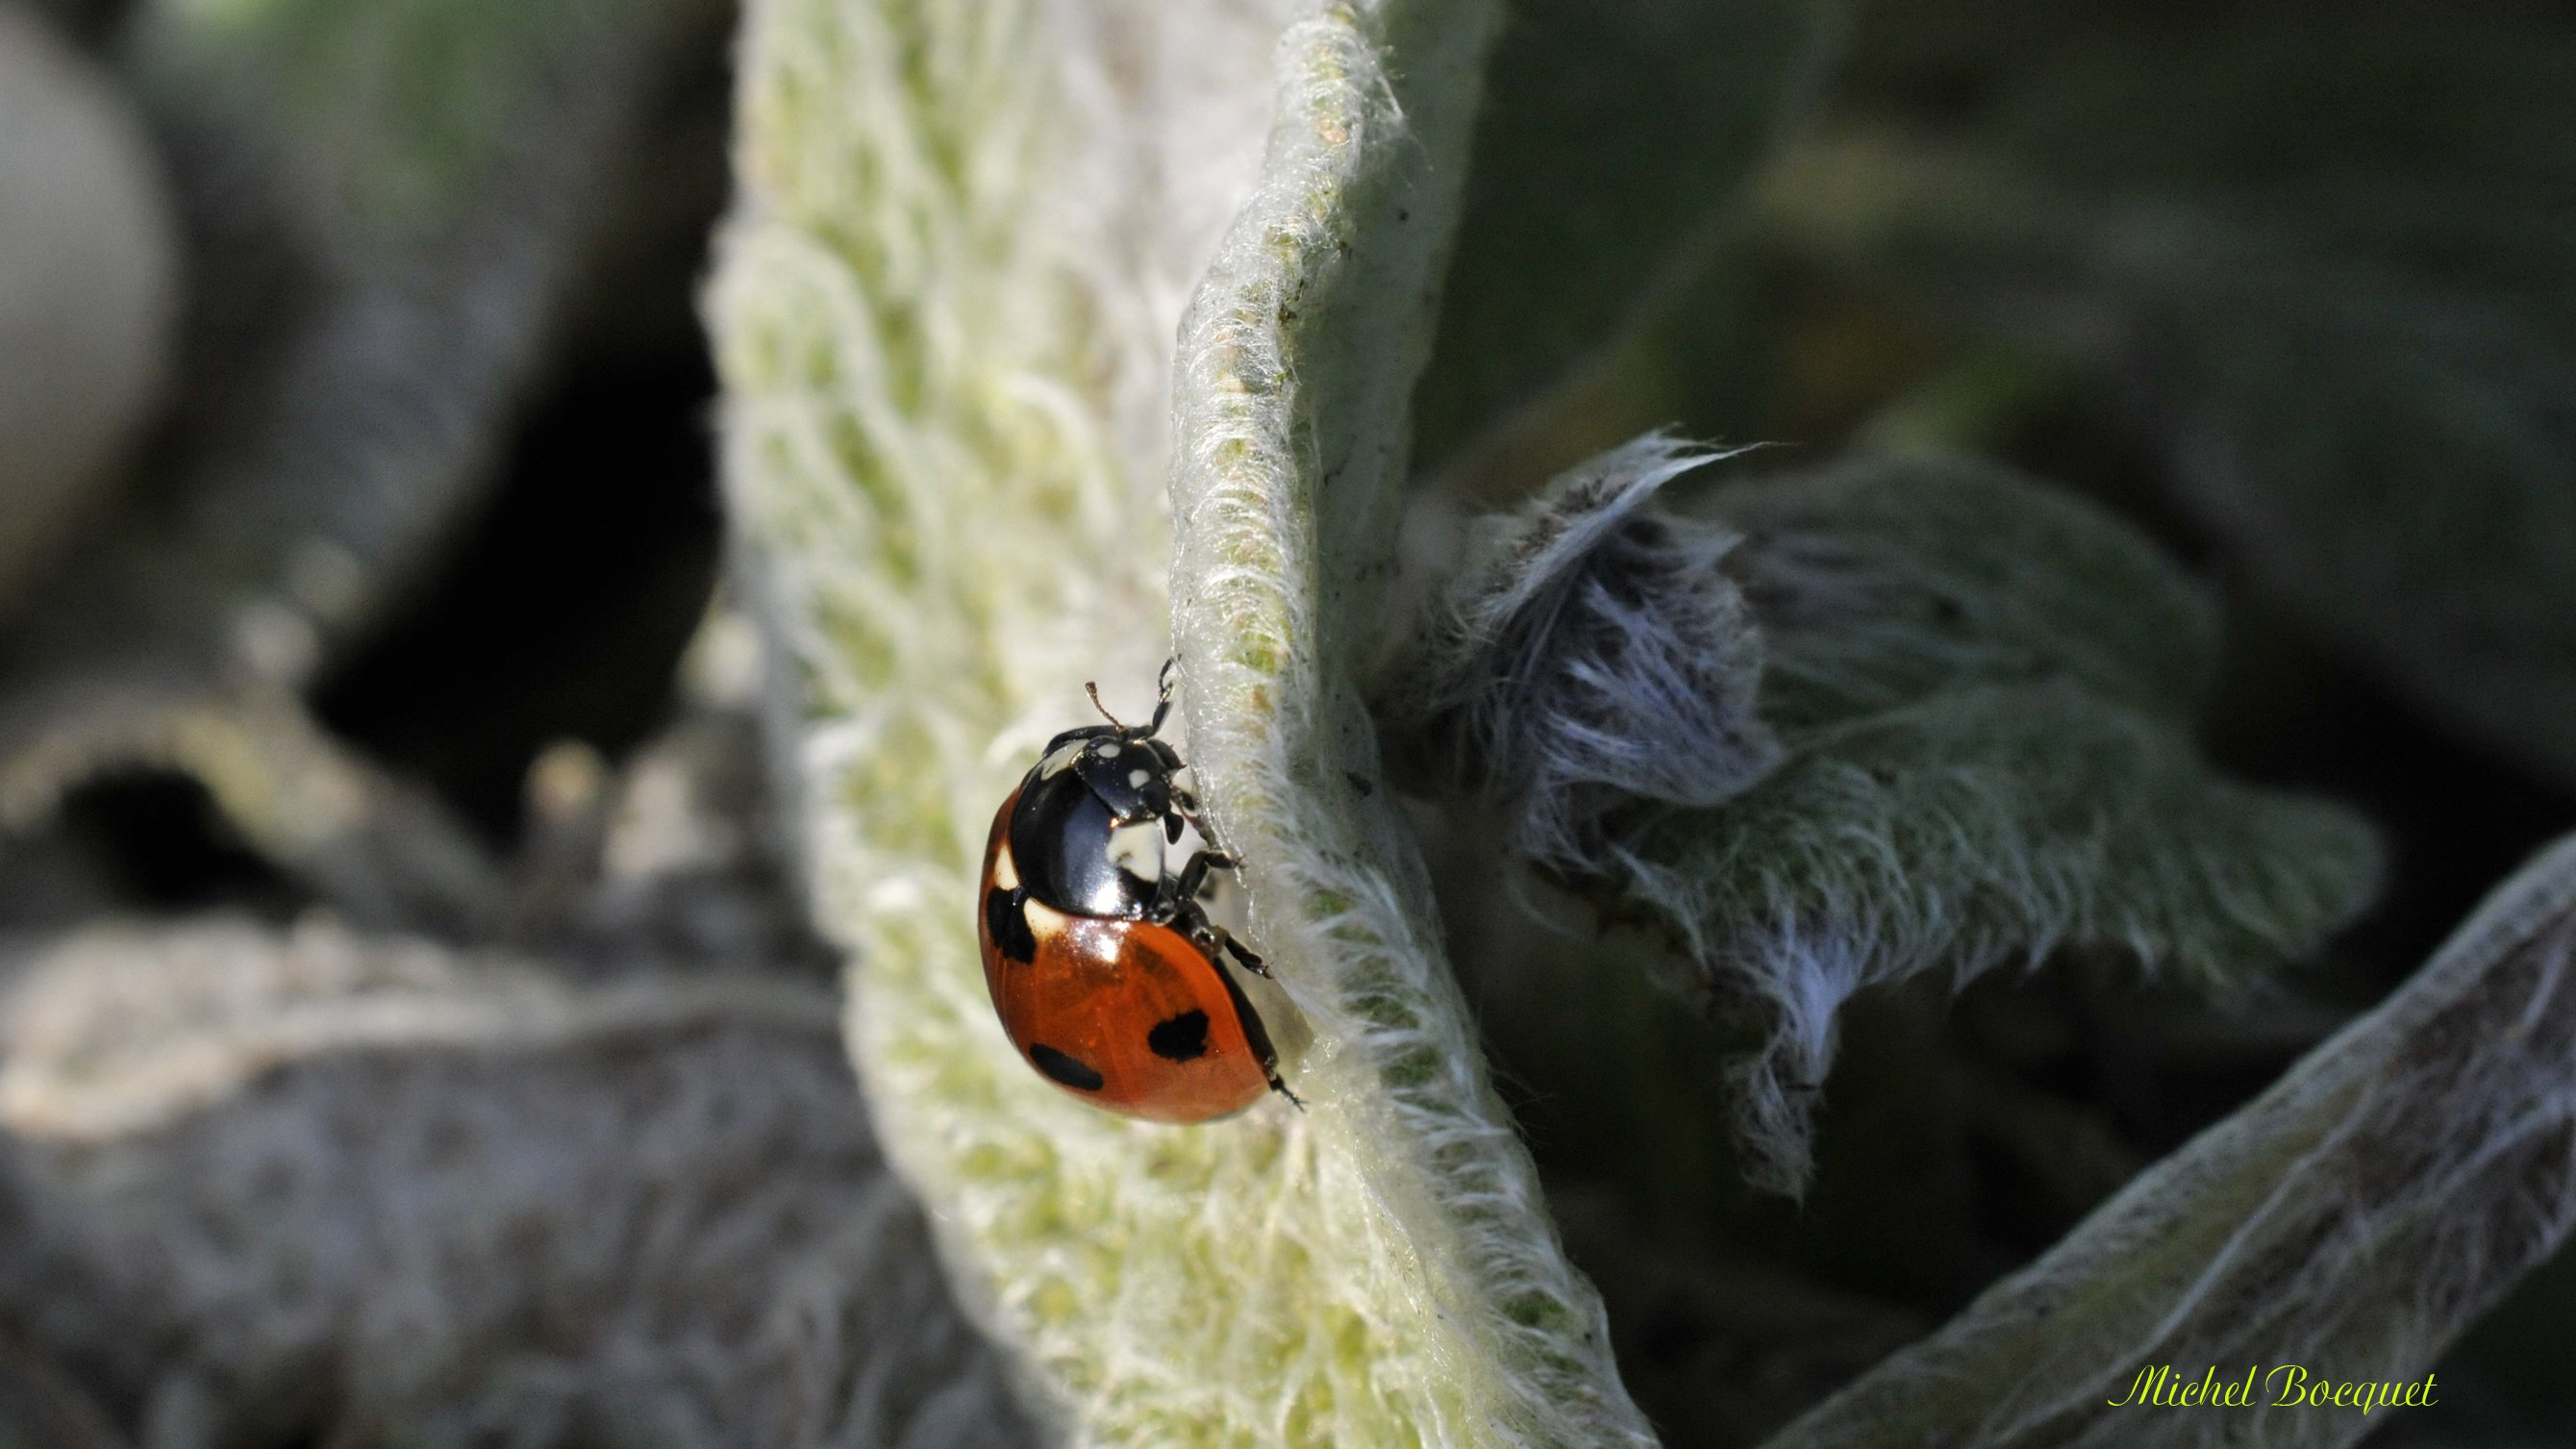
1895, 679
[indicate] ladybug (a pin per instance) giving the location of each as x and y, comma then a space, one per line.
1105, 970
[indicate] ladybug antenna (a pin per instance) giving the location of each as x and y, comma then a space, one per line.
1093, 689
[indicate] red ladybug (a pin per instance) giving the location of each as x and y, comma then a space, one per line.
1106, 972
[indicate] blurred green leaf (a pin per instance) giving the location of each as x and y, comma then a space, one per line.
1613, 138
2332, 273
2320, 129
390, 111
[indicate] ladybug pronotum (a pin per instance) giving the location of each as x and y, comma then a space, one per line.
1105, 970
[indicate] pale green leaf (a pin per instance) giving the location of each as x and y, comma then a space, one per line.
944, 320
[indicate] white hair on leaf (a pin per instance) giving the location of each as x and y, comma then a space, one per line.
1589, 654
2353, 1219
1855, 725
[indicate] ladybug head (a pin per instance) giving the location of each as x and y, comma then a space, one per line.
1125, 765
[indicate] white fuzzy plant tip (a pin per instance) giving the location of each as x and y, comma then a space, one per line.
944, 316
2340, 1231
1588, 655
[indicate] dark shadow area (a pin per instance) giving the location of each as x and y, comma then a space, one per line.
159, 841
566, 605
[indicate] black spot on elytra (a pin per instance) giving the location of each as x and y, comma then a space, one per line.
1062, 1068
1182, 1038
1009, 925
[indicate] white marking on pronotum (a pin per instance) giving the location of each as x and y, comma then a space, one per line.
1107, 749
1136, 778
1138, 850
1044, 924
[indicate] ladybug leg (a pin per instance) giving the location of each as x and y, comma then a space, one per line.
1176, 901
1185, 806
1243, 953
1281, 1088
1162, 702
1213, 939
1193, 876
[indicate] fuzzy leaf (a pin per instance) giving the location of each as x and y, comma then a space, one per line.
1979, 826
2351, 1220
1879, 583
1613, 139
1296, 359
1981, 689
944, 318
1587, 655
367, 1182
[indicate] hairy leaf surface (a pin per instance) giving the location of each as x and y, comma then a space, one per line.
2351, 1220
945, 316
1947, 714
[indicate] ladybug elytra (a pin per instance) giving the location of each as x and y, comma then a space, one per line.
1106, 971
